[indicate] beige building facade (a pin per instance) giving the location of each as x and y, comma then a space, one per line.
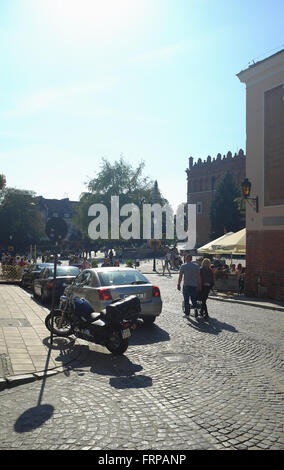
265, 169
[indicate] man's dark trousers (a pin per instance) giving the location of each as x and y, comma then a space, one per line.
189, 292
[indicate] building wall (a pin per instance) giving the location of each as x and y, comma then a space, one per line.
265, 169
202, 179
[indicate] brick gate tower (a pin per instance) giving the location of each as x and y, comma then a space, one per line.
202, 180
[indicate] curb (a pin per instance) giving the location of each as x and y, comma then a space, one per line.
11, 381
248, 302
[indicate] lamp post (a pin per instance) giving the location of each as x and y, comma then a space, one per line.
246, 187
154, 244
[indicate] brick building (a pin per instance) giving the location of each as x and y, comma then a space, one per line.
265, 169
202, 179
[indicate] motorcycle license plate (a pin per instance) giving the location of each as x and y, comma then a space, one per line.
125, 333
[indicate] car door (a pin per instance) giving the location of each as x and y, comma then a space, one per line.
89, 290
44, 279
38, 282
76, 289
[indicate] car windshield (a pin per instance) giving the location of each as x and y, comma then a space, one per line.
120, 278
65, 271
41, 266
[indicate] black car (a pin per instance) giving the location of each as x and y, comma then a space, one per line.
43, 285
32, 273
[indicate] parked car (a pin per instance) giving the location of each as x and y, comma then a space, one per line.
43, 285
101, 286
32, 273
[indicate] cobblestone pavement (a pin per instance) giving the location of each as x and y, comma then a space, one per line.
182, 385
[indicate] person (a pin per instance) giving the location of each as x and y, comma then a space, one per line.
233, 269
239, 268
190, 273
166, 264
207, 283
242, 277
106, 263
85, 264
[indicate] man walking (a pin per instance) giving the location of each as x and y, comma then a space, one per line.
191, 284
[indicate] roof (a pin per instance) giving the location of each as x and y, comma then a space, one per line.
262, 66
109, 268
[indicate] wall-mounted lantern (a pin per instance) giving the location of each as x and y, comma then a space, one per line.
246, 187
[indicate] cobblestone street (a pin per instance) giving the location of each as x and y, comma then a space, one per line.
182, 384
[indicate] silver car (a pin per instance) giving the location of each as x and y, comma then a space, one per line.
101, 286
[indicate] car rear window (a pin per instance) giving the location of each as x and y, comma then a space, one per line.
120, 278
72, 271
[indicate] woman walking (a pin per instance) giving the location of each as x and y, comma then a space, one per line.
207, 282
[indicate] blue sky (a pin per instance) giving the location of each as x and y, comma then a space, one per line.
152, 80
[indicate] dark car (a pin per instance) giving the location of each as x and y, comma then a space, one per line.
43, 285
32, 273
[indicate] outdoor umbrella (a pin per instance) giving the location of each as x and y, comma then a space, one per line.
208, 248
234, 243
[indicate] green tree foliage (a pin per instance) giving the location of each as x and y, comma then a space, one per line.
225, 214
21, 222
117, 179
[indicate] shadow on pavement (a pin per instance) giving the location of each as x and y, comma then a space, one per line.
149, 334
210, 325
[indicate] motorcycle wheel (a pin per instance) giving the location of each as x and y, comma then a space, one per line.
116, 344
65, 330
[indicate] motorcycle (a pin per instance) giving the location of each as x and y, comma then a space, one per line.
111, 328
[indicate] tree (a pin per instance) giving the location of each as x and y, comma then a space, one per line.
117, 179
225, 215
21, 222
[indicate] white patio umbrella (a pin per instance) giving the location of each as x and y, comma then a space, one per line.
235, 243
208, 248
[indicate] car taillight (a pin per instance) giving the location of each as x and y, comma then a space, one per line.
104, 294
156, 291
50, 285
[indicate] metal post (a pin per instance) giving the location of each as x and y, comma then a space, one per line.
53, 291
154, 260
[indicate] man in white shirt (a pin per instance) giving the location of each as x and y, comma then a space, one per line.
191, 284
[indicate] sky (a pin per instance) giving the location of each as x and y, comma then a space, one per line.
149, 80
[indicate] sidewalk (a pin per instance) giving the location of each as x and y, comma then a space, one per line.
26, 353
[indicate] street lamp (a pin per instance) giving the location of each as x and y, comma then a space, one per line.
246, 187
154, 244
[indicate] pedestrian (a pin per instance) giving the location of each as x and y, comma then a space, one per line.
242, 277
190, 273
166, 264
106, 263
85, 264
207, 283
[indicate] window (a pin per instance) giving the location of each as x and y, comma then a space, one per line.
199, 208
118, 278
